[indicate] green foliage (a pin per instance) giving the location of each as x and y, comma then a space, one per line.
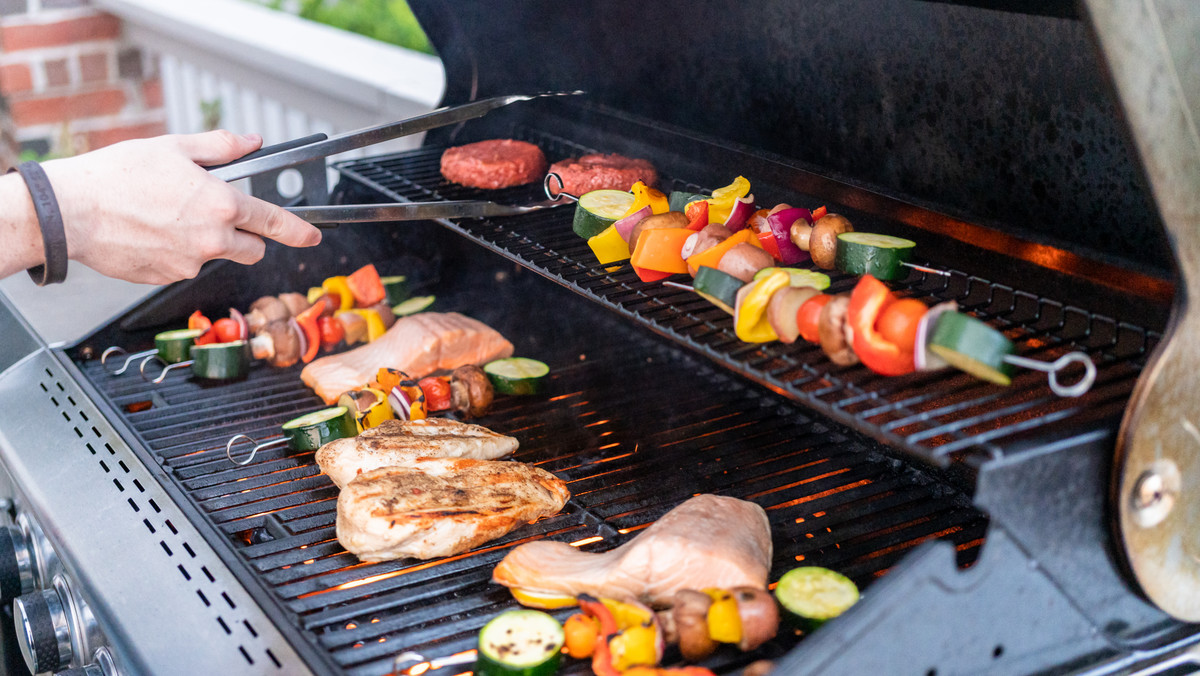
386, 20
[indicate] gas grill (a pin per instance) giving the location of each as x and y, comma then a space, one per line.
978, 520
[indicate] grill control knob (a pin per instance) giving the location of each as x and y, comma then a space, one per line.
16, 564
43, 633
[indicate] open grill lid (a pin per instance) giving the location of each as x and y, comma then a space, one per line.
1000, 115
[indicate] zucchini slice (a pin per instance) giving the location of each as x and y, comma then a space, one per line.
396, 289
972, 346
678, 200
598, 209
176, 346
717, 287
520, 643
221, 361
313, 430
881, 256
799, 277
517, 375
815, 595
413, 305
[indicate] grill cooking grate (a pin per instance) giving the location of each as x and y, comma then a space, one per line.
634, 426
931, 415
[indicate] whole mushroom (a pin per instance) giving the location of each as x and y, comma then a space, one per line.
691, 624
471, 392
820, 241
264, 311
833, 329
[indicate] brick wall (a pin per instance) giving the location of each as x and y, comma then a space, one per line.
69, 82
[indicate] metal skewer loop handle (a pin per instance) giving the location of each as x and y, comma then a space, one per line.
254, 451
561, 193
169, 367
1055, 367
114, 351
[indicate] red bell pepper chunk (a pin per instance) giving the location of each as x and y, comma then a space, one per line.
697, 213
867, 301
769, 243
650, 275
366, 286
198, 321
602, 663
312, 332
818, 213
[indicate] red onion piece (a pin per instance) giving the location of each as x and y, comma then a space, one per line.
300, 334
922, 359
689, 245
625, 225
243, 325
400, 404
742, 210
781, 224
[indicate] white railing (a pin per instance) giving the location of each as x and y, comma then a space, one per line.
273, 73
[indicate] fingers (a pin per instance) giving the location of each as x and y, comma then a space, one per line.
217, 147
268, 220
245, 248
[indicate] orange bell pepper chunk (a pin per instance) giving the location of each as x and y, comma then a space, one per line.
712, 256
660, 249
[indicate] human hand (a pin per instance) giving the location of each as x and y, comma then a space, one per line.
146, 210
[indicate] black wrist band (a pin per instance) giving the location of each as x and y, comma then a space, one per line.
54, 237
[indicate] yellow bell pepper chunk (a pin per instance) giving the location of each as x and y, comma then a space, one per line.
378, 412
644, 195
724, 623
635, 646
750, 321
339, 286
609, 247
375, 327
627, 614
314, 294
543, 600
722, 200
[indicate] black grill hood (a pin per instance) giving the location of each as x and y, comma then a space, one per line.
996, 113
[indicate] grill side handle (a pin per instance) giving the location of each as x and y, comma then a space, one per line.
1151, 51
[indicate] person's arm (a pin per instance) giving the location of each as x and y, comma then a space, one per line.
146, 210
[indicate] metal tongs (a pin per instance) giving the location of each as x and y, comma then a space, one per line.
298, 151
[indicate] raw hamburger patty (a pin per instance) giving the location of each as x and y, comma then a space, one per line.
499, 163
602, 172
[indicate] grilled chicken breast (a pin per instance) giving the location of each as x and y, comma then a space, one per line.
396, 442
438, 506
708, 541
419, 345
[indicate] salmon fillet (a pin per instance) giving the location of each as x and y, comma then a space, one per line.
396, 442
708, 541
441, 506
419, 345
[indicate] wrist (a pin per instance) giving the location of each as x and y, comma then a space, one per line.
22, 234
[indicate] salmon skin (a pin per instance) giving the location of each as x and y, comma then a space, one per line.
708, 541
419, 345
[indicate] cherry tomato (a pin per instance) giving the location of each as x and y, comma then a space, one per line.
437, 393
226, 330
199, 321
897, 324
809, 315
332, 331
